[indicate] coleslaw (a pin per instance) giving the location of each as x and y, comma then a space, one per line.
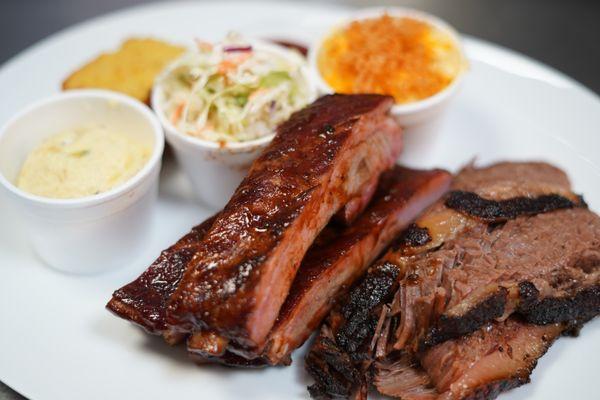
234, 91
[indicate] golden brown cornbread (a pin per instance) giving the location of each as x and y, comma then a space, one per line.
130, 70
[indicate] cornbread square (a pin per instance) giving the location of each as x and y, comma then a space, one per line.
130, 70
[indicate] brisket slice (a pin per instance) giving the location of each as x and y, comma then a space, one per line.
496, 185
328, 269
334, 372
321, 158
537, 254
493, 359
336, 259
545, 267
507, 180
143, 301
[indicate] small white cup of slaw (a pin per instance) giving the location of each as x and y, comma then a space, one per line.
94, 233
216, 162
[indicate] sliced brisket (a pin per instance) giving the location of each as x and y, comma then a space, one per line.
532, 266
459, 273
485, 251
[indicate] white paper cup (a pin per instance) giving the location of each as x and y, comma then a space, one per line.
410, 114
94, 233
216, 170
214, 173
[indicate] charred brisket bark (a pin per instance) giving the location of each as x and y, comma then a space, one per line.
449, 327
503, 210
583, 306
413, 236
360, 322
336, 358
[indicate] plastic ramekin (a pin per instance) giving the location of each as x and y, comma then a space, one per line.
93, 233
410, 114
215, 170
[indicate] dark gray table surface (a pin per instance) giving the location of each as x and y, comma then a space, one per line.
562, 33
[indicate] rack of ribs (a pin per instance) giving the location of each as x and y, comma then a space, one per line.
237, 270
337, 258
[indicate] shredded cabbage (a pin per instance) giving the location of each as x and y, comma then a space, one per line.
231, 92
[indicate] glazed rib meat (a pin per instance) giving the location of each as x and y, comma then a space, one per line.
507, 239
320, 159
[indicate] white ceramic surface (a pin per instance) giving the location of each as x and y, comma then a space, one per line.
409, 115
223, 166
82, 235
58, 342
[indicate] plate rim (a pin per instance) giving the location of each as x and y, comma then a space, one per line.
472, 44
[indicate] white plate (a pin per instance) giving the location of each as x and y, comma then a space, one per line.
58, 342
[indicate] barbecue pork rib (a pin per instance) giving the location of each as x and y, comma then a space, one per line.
508, 239
338, 257
321, 158
239, 272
